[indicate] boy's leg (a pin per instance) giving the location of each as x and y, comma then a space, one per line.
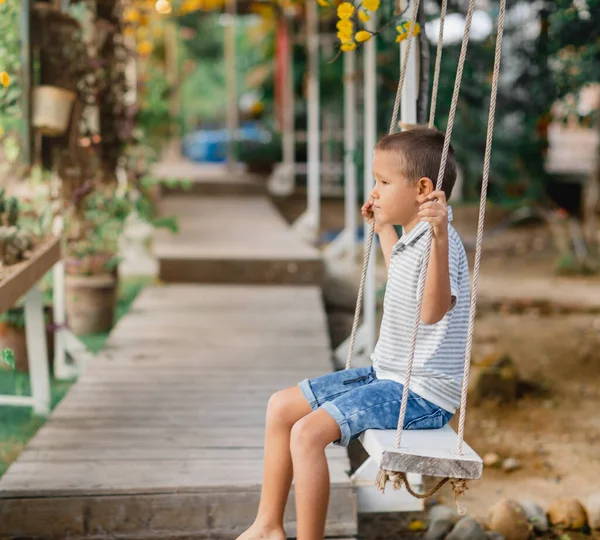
284, 409
310, 436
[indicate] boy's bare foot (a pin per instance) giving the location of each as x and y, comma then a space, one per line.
256, 532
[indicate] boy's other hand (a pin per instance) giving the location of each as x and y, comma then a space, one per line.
435, 211
369, 214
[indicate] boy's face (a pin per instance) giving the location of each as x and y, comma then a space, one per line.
395, 200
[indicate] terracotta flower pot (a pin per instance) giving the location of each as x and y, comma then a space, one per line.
90, 302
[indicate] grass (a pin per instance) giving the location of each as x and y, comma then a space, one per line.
18, 424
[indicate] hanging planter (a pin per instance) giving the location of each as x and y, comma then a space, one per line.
52, 109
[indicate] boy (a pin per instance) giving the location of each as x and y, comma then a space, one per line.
303, 420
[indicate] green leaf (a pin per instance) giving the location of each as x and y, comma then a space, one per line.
8, 357
167, 222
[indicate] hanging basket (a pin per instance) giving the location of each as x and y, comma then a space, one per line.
51, 109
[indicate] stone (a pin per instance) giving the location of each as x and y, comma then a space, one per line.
491, 459
592, 505
511, 464
568, 514
535, 515
497, 379
467, 529
441, 520
508, 518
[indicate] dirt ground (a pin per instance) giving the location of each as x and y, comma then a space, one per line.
554, 432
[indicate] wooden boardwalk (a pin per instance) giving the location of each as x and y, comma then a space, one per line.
233, 239
162, 436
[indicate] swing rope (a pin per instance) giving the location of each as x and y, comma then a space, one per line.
399, 478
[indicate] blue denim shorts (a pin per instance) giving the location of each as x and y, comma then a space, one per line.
357, 400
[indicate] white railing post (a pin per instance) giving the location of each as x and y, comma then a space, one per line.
344, 244
308, 223
370, 70
232, 105
37, 350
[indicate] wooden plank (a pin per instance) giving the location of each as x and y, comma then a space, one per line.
175, 412
430, 452
58, 435
206, 179
16, 280
101, 477
191, 515
233, 240
217, 457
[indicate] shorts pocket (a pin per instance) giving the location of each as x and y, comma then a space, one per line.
433, 420
357, 379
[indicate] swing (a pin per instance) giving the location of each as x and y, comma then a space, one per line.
434, 452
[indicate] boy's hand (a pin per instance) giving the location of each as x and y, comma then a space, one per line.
369, 214
435, 211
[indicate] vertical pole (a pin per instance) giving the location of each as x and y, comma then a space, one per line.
370, 114
288, 105
26, 79
408, 105
314, 172
232, 108
172, 69
37, 351
350, 153
61, 370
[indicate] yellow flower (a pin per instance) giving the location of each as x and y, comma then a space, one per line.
1, 128
371, 5
2, 2
346, 47
362, 36
344, 36
4, 79
363, 16
345, 25
132, 16
144, 48
345, 10
323, 3
405, 27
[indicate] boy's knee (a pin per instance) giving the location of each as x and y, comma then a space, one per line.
304, 435
313, 432
279, 407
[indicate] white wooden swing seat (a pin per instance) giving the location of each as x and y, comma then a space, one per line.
431, 452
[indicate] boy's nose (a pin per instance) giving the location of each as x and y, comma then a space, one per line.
374, 194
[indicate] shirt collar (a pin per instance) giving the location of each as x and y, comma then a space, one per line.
417, 231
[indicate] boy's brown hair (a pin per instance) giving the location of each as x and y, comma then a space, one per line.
420, 154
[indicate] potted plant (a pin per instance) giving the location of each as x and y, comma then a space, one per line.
92, 254
21, 230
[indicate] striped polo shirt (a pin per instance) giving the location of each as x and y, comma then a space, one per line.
439, 356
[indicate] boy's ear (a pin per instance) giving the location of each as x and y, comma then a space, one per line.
424, 188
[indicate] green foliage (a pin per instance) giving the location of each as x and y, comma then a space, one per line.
153, 117
574, 41
10, 62
7, 357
